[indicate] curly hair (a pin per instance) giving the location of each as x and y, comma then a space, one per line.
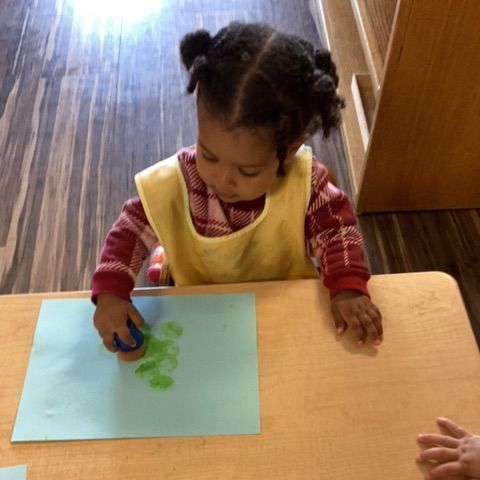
253, 76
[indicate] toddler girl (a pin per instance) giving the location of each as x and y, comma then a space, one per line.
248, 202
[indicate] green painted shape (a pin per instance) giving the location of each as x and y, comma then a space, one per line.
172, 329
160, 356
159, 348
145, 368
169, 363
161, 382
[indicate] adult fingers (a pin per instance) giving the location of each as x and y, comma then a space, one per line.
437, 439
438, 453
135, 316
452, 427
445, 470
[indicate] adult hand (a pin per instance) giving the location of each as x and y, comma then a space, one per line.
457, 453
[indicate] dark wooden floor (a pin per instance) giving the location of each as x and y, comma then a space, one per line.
91, 92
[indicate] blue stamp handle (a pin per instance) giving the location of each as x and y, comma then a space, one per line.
137, 336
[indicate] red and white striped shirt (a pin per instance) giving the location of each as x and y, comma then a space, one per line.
330, 233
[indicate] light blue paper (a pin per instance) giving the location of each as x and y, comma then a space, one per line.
13, 473
76, 389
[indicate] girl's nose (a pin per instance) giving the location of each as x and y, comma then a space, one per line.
226, 179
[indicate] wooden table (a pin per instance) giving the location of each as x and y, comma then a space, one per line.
329, 409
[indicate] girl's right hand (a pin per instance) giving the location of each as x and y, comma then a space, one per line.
111, 317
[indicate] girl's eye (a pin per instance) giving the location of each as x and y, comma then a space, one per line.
249, 174
209, 159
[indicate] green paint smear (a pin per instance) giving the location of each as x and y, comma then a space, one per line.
169, 363
160, 356
145, 368
161, 382
160, 348
172, 330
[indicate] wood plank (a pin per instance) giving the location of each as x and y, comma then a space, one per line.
312, 387
374, 21
364, 101
426, 126
447, 241
52, 136
348, 56
85, 104
330, 151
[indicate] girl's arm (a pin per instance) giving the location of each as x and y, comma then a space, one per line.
334, 240
127, 245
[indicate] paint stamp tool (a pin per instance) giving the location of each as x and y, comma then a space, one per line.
126, 352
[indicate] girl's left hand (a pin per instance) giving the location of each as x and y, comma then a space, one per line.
355, 310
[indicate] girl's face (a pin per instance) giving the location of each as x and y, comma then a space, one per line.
238, 165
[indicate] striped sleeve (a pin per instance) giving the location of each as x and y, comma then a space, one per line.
333, 237
127, 245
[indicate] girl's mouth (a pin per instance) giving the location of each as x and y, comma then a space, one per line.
225, 196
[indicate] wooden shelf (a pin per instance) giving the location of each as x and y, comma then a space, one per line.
425, 127
364, 101
413, 142
347, 53
374, 20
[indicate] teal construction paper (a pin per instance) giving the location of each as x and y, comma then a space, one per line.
75, 389
13, 473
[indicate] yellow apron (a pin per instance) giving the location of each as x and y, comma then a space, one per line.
270, 248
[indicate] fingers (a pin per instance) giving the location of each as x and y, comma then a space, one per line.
135, 317
370, 328
106, 336
439, 454
357, 312
125, 336
358, 330
109, 344
445, 470
114, 323
340, 324
452, 427
376, 317
361, 326
437, 439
